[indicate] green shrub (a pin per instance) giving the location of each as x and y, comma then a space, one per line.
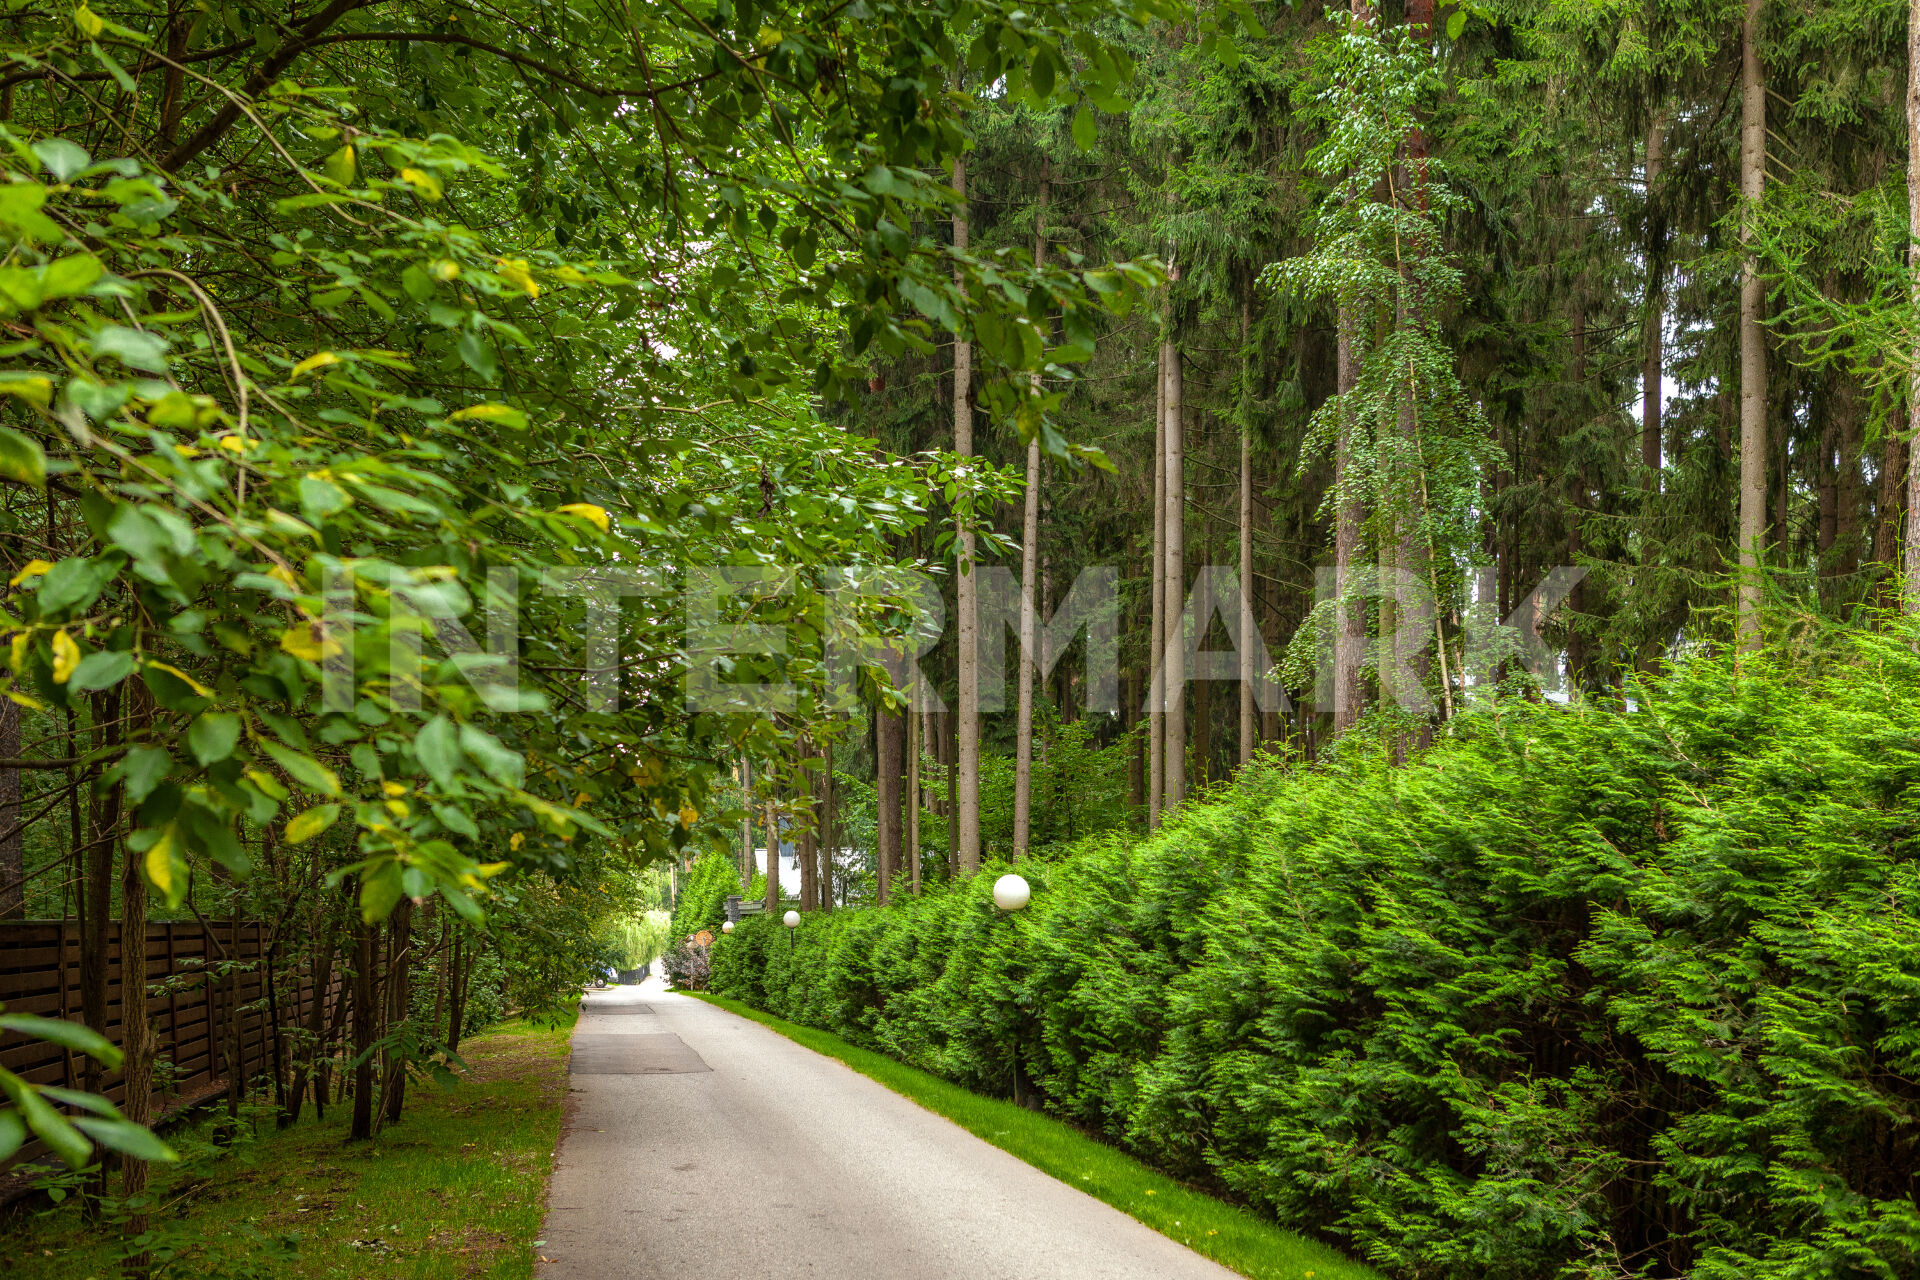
703, 898
1581, 992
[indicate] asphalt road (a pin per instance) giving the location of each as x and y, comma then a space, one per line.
701, 1144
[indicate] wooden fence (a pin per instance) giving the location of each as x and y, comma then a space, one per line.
189, 1008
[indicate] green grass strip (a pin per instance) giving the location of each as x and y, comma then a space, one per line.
1232, 1236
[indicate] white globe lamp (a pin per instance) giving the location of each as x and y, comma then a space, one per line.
791, 919
727, 927
1012, 892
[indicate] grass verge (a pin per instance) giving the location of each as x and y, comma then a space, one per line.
457, 1189
1234, 1237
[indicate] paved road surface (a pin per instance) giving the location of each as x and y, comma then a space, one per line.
721, 1150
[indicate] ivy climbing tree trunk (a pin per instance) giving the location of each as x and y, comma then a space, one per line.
967, 625
1753, 349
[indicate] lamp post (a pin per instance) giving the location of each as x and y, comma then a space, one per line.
792, 921
1011, 893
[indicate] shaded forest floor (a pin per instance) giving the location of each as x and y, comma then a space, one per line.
457, 1189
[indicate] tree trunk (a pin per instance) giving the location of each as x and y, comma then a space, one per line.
1157, 652
1249, 726
745, 775
771, 890
889, 759
136, 1042
914, 746
13, 845
830, 841
1029, 571
1753, 349
303, 1067
1654, 321
363, 1027
1174, 755
103, 837
393, 1094
967, 629
1910, 595
1350, 625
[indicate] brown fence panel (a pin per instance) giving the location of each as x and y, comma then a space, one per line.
189, 1010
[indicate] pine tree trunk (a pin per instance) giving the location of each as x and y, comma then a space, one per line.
771, 900
967, 625
745, 774
1157, 652
1350, 624
830, 841
1029, 571
1753, 349
1654, 320
914, 748
1249, 726
1173, 791
889, 759
1910, 596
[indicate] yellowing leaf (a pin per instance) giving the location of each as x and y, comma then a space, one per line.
17, 654
393, 790
176, 672
88, 21
518, 839
425, 183
311, 823
66, 656
319, 360
37, 392
569, 274
32, 569
31, 704
595, 516
688, 815
159, 864
301, 642
516, 273
444, 270
340, 166
236, 444
491, 869
505, 413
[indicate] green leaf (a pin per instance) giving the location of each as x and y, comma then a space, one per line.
73, 274
21, 459
437, 748
134, 348
478, 356
141, 771
508, 768
311, 823
74, 582
1086, 130
71, 1035
1456, 24
62, 1138
126, 1137
62, 157
379, 891
13, 1132
304, 769
100, 670
213, 736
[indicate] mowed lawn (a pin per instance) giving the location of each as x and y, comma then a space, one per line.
457, 1189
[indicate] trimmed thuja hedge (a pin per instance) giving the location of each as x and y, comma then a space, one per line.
1581, 992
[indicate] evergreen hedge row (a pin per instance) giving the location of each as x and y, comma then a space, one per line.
1581, 992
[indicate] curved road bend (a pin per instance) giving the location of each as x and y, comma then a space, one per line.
701, 1144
